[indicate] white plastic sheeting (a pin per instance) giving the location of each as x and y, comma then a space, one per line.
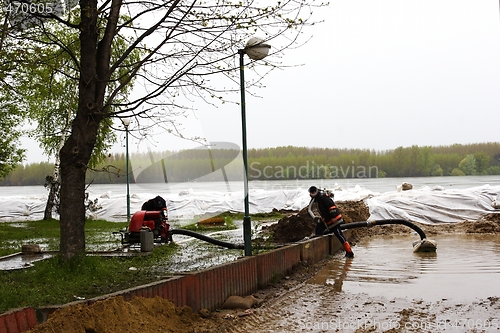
423, 205
428, 205
184, 204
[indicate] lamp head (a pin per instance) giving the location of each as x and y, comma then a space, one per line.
126, 121
256, 49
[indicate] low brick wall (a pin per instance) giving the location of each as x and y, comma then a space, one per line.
207, 288
18, 321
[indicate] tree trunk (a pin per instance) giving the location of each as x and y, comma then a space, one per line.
75, 156
95, 58
54, 184
77, 150
49, 207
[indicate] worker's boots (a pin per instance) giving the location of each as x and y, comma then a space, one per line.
348, 250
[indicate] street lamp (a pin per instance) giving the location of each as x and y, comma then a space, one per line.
126, 123
256, 49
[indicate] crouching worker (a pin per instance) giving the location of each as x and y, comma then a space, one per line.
157, 203
330, 219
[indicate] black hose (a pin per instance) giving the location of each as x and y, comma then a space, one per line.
344, 226
206, 238
382, 222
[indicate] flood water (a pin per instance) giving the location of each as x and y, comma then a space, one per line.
21, 261
464, 268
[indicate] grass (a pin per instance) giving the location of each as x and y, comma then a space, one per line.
56, 281
14, 234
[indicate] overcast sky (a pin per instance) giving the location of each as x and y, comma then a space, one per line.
378, 74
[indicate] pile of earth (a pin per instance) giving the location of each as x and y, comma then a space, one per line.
295, 227
144, 315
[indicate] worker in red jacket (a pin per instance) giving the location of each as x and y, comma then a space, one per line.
330, 219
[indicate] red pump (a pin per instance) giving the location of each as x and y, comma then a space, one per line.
155, 220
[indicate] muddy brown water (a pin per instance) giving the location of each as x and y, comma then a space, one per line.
388, 288
464, 268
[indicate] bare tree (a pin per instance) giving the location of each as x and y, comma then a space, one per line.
182, 44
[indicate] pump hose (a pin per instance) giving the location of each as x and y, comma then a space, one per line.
382, 222
206, 238
344, 226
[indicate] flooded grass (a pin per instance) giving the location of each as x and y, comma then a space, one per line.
14, 235
54, 281
197, 255
99, 235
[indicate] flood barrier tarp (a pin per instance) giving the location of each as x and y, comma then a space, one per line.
423, 205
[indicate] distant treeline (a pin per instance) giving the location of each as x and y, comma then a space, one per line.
283, 163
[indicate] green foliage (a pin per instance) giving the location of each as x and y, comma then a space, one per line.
468, 165
294, 163
46, 85
436, 171
457, 172
10, 118
482, 162
493, 170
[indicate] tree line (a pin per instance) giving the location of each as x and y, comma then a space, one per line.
282, 163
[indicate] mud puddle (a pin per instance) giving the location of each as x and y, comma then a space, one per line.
464, 268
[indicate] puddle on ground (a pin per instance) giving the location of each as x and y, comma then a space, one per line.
464, 268
18, 261
196, 254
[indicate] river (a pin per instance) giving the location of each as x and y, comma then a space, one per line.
468, 196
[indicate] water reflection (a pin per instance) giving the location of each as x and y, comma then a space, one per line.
333, 273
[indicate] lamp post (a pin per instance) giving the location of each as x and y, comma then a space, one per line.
126, 123
256, 49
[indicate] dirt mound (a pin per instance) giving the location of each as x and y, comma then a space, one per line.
488, 224
113, 315
295, 227
493, 217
